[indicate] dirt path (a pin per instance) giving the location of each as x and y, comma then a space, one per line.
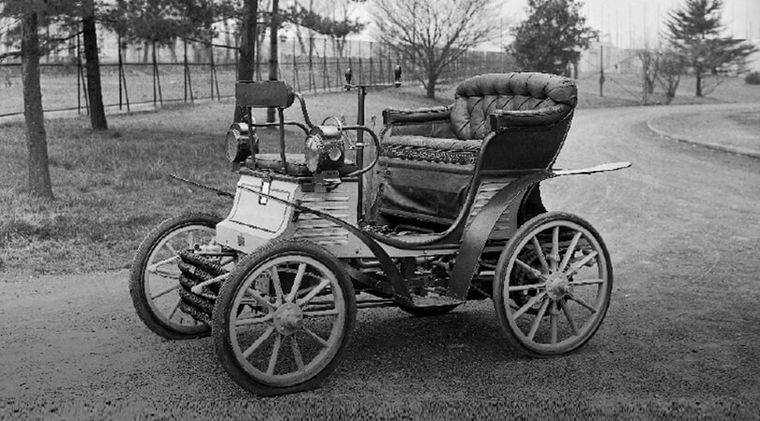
681, 339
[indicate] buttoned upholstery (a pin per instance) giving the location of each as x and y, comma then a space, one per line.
530, 99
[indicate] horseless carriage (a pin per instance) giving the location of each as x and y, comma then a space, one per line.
448, 209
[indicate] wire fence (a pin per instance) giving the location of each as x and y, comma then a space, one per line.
191, 70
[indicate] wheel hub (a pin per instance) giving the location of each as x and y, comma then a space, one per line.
558, 286
288, 318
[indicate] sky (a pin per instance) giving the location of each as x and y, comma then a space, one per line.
634, 23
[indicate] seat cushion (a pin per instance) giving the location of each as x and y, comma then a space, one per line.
431, 149
296, 164
478, 97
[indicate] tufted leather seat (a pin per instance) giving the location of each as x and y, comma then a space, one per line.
521, 99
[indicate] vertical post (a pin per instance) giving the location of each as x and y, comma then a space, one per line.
371, 76
337, 67
124, 83
312, 82
296, 79
213, 67
120, 70
325, 75
184, 68
79, 75
601, 70
154, 74
157, 82
273, 65
361, 93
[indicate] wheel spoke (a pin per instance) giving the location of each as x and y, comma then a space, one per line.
296, 352
582, 303
172, 250
329, 312
526, 287
569, 318
275, 276
584, 282
191, 239
154, 267
537, 320
257, 343
305, 300
540, 253
535, 272
167, 275
253, 320
528, 305
570, 251
164, 292
316, 337
579, 264
174, 310
296, 283
555, 249
275, 354
260, 299
553, 320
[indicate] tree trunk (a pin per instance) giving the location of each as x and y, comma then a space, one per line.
699, 82
430, 87
247, 48
39, 174
275, 24
94, 92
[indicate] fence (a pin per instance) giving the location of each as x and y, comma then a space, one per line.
191, 70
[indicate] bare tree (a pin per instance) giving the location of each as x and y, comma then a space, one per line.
671, 66
431, 34
649, 71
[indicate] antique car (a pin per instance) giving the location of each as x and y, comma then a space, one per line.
441, 207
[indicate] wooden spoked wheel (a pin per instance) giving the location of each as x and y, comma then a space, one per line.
552, 285
283, 318
154, 279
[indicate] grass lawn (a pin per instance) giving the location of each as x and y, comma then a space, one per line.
112, 188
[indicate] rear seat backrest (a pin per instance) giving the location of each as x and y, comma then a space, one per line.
479, 96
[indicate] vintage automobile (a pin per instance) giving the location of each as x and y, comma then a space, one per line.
447, 209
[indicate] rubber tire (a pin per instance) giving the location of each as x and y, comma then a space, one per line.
429, 311
140, 262
221, 337
498, 287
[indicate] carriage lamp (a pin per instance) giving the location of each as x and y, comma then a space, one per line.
324, 150
237, 145
397, 74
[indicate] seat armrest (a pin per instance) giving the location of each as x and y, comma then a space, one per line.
546, 116
419, 115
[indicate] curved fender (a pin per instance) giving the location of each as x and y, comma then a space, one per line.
477, 233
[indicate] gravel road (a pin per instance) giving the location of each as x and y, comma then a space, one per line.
681, 339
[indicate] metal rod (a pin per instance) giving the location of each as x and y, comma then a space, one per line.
362, 92
281, 116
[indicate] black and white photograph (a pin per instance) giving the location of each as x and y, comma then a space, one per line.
379, 210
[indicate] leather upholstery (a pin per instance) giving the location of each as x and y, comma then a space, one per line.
430, 149
527, 98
